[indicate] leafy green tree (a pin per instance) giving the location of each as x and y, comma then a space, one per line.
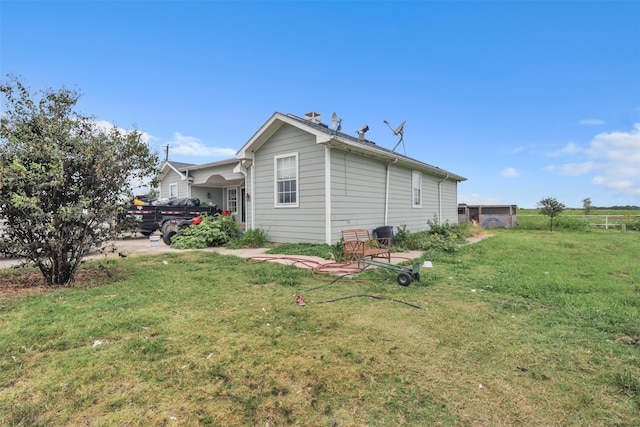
551, 208
62, 178
586, 205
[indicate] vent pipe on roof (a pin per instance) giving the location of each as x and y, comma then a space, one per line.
364, 129
313, 117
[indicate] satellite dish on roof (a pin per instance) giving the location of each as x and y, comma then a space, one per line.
336, 123
397, 131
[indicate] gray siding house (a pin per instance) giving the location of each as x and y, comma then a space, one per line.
301, 181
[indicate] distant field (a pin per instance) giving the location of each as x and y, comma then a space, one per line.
575, 219
581, 212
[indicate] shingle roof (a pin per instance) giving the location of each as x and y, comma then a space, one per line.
180, 165
370, 144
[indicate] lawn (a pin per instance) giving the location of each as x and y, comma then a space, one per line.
523, 328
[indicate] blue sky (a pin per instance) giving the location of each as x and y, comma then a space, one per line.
526, 99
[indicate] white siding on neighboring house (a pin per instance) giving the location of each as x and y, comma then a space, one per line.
304, 223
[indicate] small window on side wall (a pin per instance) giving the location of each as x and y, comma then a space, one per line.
173, 190
286, 180
416, 192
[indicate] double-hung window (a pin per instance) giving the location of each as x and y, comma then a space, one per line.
173, 190
286, 180
416, 192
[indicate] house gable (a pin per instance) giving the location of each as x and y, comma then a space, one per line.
271, 126
303, 221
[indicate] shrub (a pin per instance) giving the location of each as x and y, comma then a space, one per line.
455, 232
424, 240
337, 249
401, 237
442, 237
213, 231
571, 223
634, 224
254, 238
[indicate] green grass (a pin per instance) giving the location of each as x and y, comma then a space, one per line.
547, 323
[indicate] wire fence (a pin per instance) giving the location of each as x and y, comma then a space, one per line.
622, 222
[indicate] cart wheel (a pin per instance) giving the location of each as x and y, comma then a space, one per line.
404, 279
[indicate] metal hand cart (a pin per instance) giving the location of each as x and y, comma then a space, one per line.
405, 275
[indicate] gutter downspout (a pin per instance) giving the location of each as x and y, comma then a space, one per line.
188, 184
252, 171
386, 193
244, 172
327, 194
440, 198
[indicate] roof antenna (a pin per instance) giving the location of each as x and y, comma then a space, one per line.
397, 131
336, 123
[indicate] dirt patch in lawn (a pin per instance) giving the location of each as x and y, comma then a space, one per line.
24, 281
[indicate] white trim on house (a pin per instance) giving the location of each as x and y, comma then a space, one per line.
327, 193
230, 201
162, 171
253, 199
270, 127
287, 178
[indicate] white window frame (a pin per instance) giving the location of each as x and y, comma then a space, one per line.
231, 201
416, 189
276, 180
173, 190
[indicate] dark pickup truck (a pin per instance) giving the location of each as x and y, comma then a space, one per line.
160, 217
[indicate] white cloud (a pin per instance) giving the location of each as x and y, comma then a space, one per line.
592, 122
192, 146
573, 169
510, 173
616, 158
517, 150
620, 154
619, 147
568, 150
